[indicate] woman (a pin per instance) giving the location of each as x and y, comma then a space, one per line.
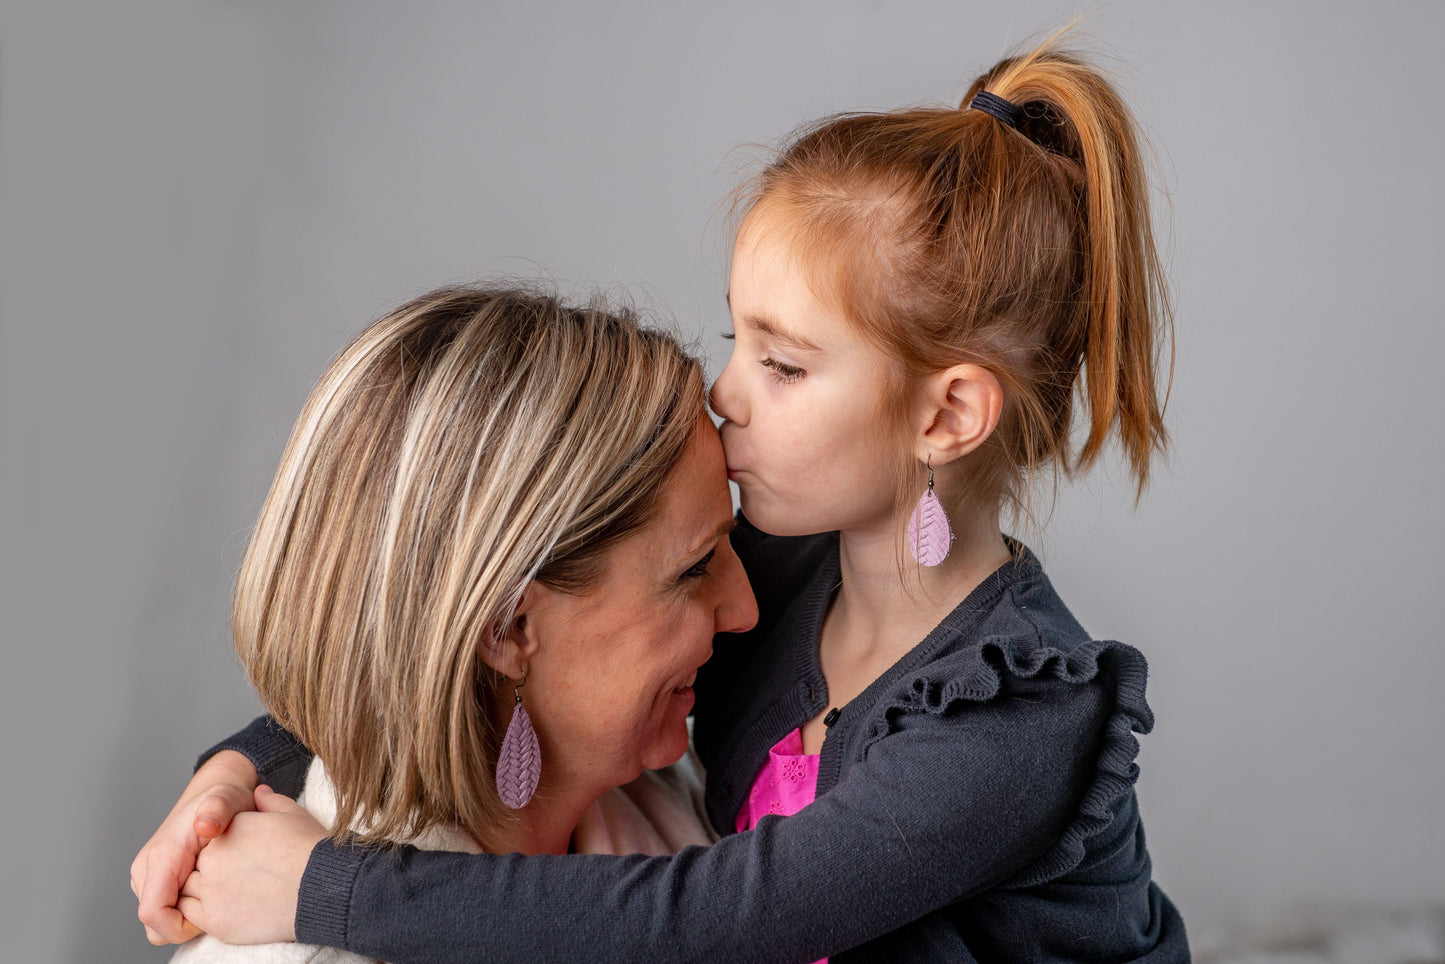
493, 510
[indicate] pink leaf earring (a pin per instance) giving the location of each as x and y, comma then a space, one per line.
519, 763
929, 535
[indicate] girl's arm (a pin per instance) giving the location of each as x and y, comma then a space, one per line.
280, 760
944, 807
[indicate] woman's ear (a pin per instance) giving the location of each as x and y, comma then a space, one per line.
512, 650
959, 409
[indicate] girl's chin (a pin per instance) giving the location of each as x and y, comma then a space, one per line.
760, 512
774, 519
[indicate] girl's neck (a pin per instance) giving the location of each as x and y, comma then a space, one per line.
878, 607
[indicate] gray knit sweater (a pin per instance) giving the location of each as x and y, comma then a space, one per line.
975, 803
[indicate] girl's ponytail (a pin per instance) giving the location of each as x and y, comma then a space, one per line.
1068, 108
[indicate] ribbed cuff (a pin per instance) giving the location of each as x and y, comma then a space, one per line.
324, 903
280, 759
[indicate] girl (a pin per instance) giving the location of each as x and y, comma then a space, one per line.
923, 302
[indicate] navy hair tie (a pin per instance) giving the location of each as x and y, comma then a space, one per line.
996, 106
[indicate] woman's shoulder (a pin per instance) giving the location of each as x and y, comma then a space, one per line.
210, 950
658, 813
318, 798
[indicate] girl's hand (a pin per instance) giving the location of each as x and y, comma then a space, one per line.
220, 789
245, 884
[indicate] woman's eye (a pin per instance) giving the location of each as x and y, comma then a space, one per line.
782, 371
699, 569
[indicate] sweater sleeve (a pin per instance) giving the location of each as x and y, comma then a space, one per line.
280, 759
943, 806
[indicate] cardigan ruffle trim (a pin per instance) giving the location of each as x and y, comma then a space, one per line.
994, 659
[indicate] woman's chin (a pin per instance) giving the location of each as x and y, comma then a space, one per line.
670, 745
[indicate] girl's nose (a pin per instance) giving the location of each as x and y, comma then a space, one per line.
723, 399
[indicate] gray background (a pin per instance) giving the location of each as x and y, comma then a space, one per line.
201, 201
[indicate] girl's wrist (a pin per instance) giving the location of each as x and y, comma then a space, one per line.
227, 766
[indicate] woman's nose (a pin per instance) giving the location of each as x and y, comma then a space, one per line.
737, 610
722, 398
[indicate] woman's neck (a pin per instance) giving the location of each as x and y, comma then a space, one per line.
564, 793
567, 791
544, 826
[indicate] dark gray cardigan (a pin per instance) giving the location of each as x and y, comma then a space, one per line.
975, 803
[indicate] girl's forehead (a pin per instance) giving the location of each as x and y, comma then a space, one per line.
768, 281
763, 229
771, 247
825, 245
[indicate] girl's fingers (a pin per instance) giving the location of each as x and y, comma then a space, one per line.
214, 813
171, 927
269, 801
190, 907
164, 924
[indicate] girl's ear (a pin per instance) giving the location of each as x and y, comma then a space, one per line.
960, 408
513, 650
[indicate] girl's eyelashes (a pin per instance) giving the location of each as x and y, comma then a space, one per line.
782, 371
730, 335
698, 569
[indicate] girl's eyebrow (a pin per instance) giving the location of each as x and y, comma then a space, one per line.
777, 332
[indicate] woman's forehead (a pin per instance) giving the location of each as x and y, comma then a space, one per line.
695, 509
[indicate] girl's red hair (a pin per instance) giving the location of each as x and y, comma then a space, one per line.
948, 236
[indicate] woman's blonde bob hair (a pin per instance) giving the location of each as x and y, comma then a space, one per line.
472, 440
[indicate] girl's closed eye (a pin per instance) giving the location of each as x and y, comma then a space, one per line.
782, 371
698, 569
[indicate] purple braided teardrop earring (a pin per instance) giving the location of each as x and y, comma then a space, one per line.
929, 535
519, 763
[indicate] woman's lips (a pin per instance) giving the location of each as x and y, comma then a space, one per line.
687, 686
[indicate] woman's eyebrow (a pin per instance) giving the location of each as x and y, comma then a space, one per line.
718, 532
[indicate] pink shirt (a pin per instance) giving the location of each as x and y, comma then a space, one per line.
786, 783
